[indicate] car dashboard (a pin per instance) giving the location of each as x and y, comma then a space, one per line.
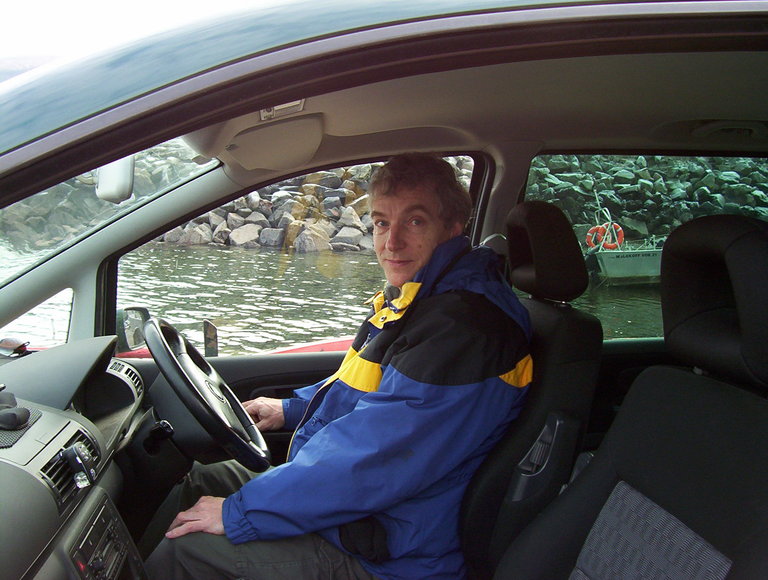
59, 479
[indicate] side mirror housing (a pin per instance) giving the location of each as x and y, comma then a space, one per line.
130, 322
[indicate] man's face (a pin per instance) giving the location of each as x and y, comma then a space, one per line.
406, 231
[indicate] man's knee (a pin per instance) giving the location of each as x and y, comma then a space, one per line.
201, 555
196, 555
162, 560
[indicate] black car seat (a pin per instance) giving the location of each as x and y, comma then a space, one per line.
679, 485
534, 459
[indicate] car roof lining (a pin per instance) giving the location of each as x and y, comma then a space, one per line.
611, 102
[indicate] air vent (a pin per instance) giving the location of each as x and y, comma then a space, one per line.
59, 476
127, 372
90, 445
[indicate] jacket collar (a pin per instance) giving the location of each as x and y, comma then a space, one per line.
454, 267
424, 282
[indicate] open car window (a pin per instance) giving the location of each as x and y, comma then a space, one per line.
285, 267
622, 207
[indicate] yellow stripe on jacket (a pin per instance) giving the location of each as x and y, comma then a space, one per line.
358, 373
521, 375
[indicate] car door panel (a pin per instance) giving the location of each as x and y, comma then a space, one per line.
276, 376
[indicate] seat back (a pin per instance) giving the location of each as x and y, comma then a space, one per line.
679, 485
713, 298
534, 459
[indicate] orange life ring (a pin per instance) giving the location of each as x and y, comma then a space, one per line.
613, 239
595, 232
617, 235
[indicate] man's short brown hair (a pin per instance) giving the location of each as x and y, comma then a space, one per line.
427, 171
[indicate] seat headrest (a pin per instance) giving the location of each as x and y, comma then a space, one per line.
545, 258
714, 279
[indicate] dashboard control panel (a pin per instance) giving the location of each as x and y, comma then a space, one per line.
105, 550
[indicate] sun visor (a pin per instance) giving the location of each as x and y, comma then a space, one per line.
279, 145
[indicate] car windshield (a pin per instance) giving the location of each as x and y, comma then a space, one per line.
43, 224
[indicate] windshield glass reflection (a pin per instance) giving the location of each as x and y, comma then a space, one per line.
43, 224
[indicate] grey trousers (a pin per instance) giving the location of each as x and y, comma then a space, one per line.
206, 556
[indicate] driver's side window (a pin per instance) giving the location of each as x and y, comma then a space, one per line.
285, 265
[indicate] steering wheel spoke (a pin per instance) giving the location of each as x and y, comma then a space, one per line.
207, 396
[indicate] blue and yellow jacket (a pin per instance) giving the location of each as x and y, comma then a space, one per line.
428, 386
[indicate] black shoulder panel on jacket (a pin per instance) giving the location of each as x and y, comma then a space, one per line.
456, 338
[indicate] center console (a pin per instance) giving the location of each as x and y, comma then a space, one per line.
105, 550
94, 545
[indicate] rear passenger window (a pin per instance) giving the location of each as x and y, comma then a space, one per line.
622, 207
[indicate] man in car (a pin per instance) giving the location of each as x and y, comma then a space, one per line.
383, 450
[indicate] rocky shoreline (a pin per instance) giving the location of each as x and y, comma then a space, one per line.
322, 211
647, 195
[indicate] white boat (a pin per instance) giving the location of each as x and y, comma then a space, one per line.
639, 266
611, 260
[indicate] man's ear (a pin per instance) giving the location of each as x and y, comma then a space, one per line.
456, 229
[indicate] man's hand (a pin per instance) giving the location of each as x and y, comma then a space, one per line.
267, 413
204, 516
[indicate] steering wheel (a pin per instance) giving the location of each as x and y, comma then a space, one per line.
206, 395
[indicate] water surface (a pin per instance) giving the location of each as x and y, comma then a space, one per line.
262, 299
